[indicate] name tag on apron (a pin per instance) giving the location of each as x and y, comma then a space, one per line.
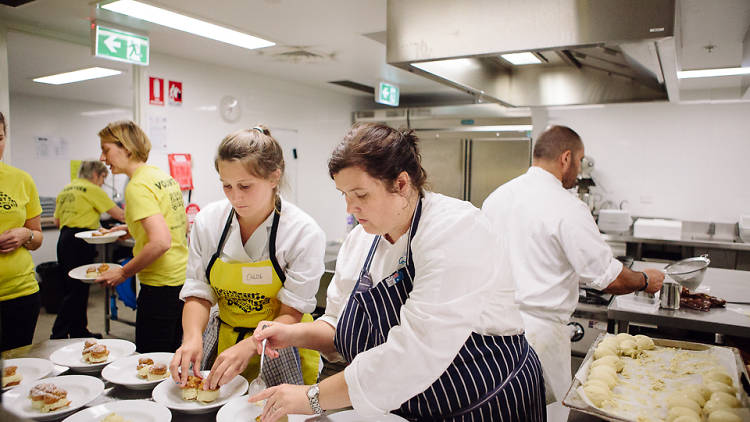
257, 275
395, 277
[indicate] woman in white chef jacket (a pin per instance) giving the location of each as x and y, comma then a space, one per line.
256, 255
416, 306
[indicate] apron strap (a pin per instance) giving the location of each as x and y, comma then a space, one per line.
242, 332
219, 248
272, 242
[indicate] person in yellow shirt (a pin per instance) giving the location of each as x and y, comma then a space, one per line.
155, 217
77, 209
20, 232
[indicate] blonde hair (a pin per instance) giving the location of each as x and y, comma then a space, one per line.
128, 135
256, 149
90, 168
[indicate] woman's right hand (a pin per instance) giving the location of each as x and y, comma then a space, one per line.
279, 336
191, 351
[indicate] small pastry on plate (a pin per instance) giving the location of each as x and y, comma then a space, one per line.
190, 390
48, 397
99, 354
144, 364
87, 347
91, 272
207, 396
102, 268
11, 376
157, 371
114, 417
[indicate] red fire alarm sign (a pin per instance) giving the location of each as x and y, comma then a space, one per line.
155, 91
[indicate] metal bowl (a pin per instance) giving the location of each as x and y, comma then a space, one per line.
688, 272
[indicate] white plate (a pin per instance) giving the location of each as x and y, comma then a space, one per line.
105, 238
133, 410
239, 409
82, 389
70, 355
169, 394
348, 416
123, 371
31, 369
80, 272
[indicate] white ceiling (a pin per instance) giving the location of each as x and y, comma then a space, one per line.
333, 29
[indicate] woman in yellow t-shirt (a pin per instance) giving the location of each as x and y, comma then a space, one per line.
155, 214
20, 232
77, 209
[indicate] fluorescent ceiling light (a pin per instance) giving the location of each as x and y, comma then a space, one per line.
184, 23
521, 58
104, 112
77, 75
710, 73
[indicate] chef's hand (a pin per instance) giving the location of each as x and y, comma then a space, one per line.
14, 238
191, 351
230, 363
283, 400
655, 280
279, 336
113, 277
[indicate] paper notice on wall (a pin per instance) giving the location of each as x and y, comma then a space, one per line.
157, 132
51, 147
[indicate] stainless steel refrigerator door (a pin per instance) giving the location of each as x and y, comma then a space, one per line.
443, 159
494, 162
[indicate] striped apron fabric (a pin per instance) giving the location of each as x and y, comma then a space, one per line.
496, 378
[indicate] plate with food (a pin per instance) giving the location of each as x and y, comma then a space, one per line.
92, 355
52, 398
100, 235
123, 411
139, 372
193, 399
23, 370
90, 272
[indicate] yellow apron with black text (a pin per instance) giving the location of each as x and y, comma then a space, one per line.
246, 293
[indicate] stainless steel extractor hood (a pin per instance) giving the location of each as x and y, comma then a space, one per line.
590, 51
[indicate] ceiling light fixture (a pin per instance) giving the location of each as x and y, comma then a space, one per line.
184, 23
521, 58
711, 73
77, 76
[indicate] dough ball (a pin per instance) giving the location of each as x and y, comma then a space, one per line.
681, 401
714, 386
628, 348
596, 382
604, 350
603, 369
643, 342
695, 396
608, 379
609, 360
723, 416
596, 394
678, 411
727, 398
714, 405
610, 341
718, 376
624, 336
687, 419
705, 392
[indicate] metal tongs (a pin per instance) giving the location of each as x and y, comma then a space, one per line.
258, 385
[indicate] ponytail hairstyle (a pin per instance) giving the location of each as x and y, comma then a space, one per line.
257, 150
382, 152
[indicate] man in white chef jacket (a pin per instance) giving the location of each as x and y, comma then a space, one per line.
551, 245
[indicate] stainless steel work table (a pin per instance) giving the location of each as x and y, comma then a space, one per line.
731, 285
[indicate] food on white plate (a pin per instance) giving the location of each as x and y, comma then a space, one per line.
48, 397
722, 415
609, 360
98, 354
11, 376
91, 272
644, 342
144, 364
157, 371
207, 396
681, 401
114, 417
678, 411
88, 346
190, 389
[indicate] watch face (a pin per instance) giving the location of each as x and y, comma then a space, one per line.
230, 109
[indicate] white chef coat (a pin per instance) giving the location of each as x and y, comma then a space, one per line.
552, 244
457, 291
300, 250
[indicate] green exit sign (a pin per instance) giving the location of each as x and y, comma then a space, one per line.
387, 94
122, 46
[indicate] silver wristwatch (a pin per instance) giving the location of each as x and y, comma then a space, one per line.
312, 395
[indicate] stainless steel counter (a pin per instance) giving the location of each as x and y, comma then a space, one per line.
732, 285
685, 240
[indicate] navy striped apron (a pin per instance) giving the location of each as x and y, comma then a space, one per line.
496, 378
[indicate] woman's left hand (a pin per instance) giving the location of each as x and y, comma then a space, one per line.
13, 239
283, 400
112, 277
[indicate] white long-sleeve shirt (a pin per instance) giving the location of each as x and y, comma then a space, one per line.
300, 251
552, 244
457, 290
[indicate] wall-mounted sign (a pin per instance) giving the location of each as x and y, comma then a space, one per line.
119, 45
155, 91
175, 93
387, 94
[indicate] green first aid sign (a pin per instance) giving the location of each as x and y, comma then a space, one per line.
387, 94
122, 46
